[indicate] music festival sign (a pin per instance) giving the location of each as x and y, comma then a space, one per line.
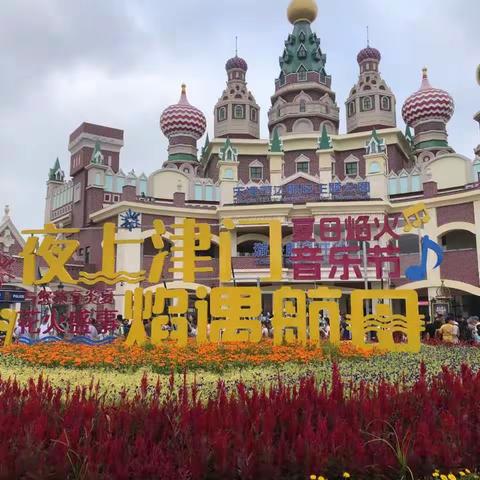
231, 313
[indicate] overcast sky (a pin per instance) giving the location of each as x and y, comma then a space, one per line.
121, 62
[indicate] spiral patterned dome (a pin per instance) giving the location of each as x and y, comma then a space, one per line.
368, 54
183, 119
428, 103
236, 62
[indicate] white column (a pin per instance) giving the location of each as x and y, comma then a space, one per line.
128, 259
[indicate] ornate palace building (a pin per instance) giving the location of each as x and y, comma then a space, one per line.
309, 167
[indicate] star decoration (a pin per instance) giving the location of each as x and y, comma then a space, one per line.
130, 220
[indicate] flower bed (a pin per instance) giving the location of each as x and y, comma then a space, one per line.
285, 433
169, 356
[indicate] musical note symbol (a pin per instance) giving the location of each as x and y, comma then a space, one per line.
416, 273
415, 217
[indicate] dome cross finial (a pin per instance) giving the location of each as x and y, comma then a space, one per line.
425, 72
368, 36
236, 46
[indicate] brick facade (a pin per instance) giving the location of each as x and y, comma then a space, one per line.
456, 213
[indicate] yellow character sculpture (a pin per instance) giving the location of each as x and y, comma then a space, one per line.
138, 307
7, 324
108, 274
193, 239
53, 249
387, 326
173, 325
318, 304
289, 316
236, 312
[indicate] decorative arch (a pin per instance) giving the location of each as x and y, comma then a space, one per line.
302, 96
330, 127
281, 129
302, 125
452, 284
252, 237
451, 227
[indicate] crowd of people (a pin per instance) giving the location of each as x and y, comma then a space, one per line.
448, 329
451, 329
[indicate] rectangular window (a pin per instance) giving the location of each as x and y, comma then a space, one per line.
198, 192
107, 197
256, 173
392, 186
116, 198
333, 169
351, 169
209, 193
302, 76
253, 114
77, 192
403, 184
303, 167
119, 184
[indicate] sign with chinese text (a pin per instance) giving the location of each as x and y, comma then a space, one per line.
301, 193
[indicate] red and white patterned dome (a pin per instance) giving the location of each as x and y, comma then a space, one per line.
236, 62
428, 103
183, 119
369, 53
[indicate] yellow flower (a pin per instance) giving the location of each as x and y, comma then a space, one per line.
451, 476
346, 475
462, 474
435, 474
313, 477
467, 470
443, 477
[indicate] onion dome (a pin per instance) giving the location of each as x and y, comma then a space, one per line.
236, 62
302, 10
369, 53
183, 119
428, 103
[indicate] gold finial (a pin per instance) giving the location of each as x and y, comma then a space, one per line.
305, 10
478, 74
184, 88
425, 72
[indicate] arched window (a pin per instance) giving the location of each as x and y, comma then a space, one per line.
303, 106
351, 109
459, 240
386, 104
239, 112
367, 104
221, 114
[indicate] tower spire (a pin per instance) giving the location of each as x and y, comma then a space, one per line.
368, 36
236, 46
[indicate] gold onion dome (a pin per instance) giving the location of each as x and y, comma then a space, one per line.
305, 10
